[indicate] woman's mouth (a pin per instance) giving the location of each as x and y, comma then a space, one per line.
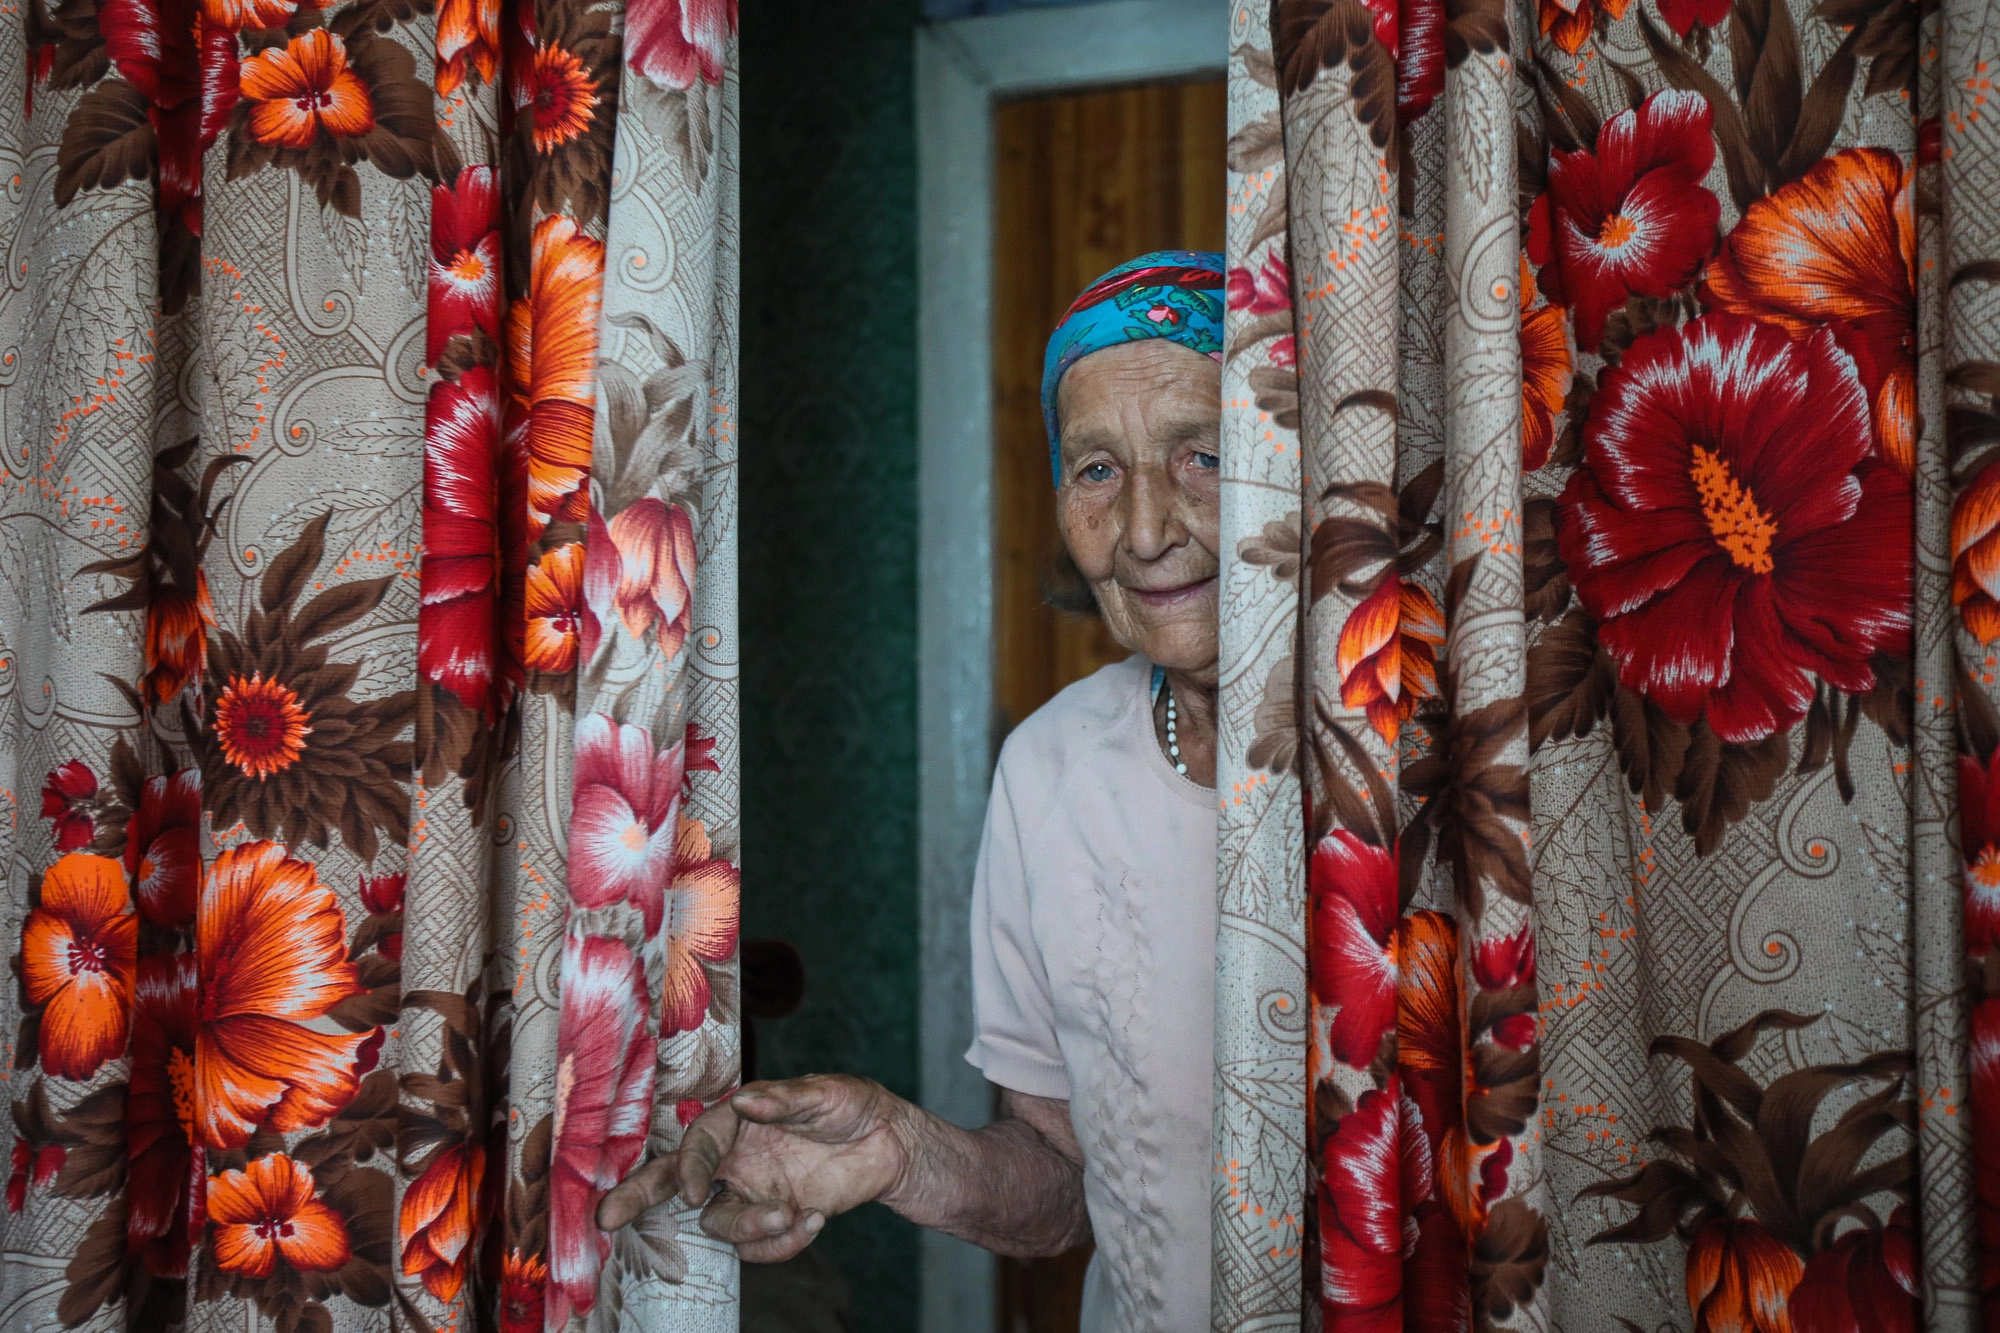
1163, 598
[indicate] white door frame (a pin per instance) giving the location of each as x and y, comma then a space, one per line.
964, 66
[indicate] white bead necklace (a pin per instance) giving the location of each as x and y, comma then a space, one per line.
1173, 741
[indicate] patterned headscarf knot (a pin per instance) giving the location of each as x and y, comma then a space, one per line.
1171, 294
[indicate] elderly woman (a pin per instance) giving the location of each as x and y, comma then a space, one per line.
1093, 910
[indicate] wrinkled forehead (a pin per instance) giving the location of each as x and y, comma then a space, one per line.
1136, 394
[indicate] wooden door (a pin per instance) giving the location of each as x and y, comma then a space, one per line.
1085, 182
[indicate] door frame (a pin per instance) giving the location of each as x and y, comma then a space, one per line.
963, 68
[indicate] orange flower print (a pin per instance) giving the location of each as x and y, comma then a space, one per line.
1568, 22
468, 42
702, 923
524, 1281
1388, 654
1740, 1278
268, 1212
436, 1223
78, 950
271, 944
260, 725
552, 368
1546, 363
555, 608
1975, 555
176, 638
253, 15
1836, 249
563, 94
297, 92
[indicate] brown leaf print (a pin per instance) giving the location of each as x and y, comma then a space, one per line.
1571, 681
1719, 781
1313, 35
1475, 799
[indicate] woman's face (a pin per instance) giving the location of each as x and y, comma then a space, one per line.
1138, 506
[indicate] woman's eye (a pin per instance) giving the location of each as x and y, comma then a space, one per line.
1098, 472
1207, 460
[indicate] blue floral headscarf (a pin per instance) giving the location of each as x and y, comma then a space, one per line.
1172, 294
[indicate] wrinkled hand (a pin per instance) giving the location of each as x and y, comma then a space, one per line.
787, 1155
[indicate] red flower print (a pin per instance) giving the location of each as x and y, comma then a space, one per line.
184, 60
604, 1101
555, 608
1975, 555
304, 89
699, 757
656, 559
465, 259
1546, 365
269, 1212
437, 1219
166, 1176
1388, 654
272, 946
1504, 961
1568, 22
475, 536
163, 848
30, 1163
77, 952
1376, 1175
1866, 1279
1979, 845
524, 1281
176, 639
552, 368
702, 920
675, 42
1740, 1278
1265, 292
1682, 15
383, 894
260, 725
1837, 250
69, 797
468, 42
562, 94
1731, 529
622, 831
1413, 33
1632, 217
1353, 890
602, 570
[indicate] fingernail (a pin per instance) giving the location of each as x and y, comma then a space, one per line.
774, 1220
813, 1223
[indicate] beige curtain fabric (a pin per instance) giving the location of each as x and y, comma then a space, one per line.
367, 657
1608, 609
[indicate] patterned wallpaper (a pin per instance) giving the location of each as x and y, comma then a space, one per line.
829, 540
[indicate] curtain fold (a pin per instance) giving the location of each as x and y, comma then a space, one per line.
1607, 690
367, 652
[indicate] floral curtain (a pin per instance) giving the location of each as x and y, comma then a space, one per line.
367, 656
1610, 790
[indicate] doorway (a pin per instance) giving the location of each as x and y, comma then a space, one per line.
1082, 181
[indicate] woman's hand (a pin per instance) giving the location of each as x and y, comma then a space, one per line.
788, 1156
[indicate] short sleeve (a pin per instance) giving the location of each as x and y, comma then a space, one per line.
1013, 1016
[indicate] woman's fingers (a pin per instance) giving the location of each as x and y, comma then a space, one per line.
707, 1141
781, 1248
648, 1187
763, 1233
823, 1106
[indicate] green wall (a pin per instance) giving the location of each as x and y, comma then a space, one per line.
829, 538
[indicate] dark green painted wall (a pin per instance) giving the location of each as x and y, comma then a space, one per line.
829, 536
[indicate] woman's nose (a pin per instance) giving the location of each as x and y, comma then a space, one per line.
1152, 527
